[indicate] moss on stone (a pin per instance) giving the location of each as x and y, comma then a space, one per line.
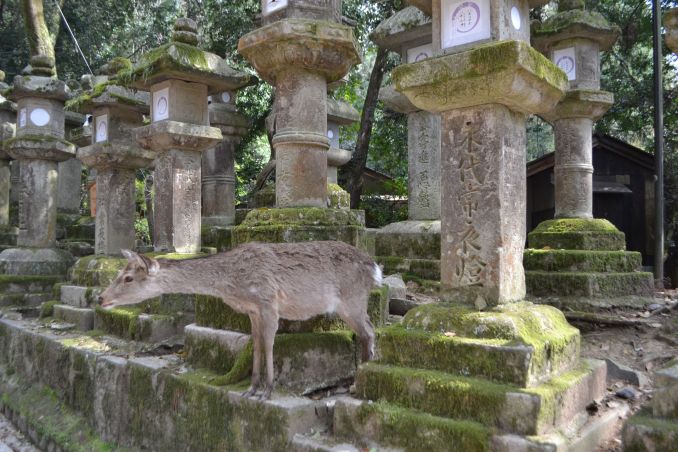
577, 234
436, 393
543, 328
338, 198
47, 309
30, 282
412, 430
576, 225
219, 237
564, 20
97, 270
301, 216
589, 284
581, 260
122, 322
643, 431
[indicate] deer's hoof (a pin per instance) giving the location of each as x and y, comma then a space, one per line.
250, 392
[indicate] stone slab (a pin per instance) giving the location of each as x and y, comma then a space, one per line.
427, 269
409, 239
35, 261
642, 432
603, 285
582, 261
82, 318
665, 397
78, 296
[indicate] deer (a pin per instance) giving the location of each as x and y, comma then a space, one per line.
293, 281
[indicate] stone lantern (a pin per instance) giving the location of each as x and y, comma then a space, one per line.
115, 156
416, 241
671, 26
573, 40
70, 175
39, 145
339, 113
179, 77
300, 49
218, 163
7, 131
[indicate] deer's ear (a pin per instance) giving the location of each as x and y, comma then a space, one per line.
130, 255
150, 265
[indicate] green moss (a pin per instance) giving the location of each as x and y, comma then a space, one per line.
571, 18
434, 392
576, 225
543, 328
338, 197
219, 237
587, 284
7, 144
412, 430
301, 216
173, 55
35, 283
96, 270
122, 322
47, 309
581, 260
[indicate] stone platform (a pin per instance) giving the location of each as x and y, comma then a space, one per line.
410, 247
583, 265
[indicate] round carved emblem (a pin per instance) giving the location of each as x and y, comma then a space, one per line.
40, 117
466, 17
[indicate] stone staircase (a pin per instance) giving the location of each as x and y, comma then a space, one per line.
411, 248
583, 265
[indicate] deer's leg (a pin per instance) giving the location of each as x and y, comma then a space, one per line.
256, 355
365, 331
269, 323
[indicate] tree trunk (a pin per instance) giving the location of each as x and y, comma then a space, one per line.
356, 166
39, 39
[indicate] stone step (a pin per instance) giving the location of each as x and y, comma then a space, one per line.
24, 299
303, 362
212, 312
365, 424
132, 324
24, 284
572, 284
8, 239
582, 261
82, 318
532, 411
78, 296
319, 443
643, 432
422, 268
511, 361
90, 377
577, 234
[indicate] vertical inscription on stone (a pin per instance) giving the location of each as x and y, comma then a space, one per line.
469, 147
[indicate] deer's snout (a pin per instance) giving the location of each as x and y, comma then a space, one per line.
101, 302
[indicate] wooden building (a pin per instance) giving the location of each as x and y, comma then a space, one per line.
623, 191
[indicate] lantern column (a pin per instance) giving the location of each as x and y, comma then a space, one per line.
180, 76
573, 39
7, 131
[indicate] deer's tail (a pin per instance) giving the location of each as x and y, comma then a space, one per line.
377, 275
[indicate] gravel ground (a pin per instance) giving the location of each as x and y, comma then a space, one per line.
12, 440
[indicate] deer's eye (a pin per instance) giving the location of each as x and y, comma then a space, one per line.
128, 279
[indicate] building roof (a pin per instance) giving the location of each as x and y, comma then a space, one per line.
606, 142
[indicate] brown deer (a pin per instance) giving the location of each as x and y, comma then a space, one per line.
294, 281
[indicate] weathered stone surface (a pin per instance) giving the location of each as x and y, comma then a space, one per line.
35, 261
575, 23
671, 26
78, 296
582, 261
665, 397
645, 433
483, 185
115, 210
583, 284
409, 27
218, 164
409, 239
577, 234
68, 186
423, 156
303, 9
82, 318
510, 73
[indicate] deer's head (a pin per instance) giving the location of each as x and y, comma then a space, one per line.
135, 283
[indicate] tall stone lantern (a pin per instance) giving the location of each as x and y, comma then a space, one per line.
218, 163
180, 77
339, 113
115, 156
300, 48
416, 242
39, 145
7, 131
573, 39
484, 85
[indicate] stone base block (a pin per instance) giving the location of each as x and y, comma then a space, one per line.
644, 433
82, 318
582, 261
532, 411
303, 362
77, 248
665, 398
78, 296
365, 423
24, 300
219, 237
133, 325
573, 284
420, 268
554, 344
96, 270
82, 230
410, 240
23, 284
577, 234
8, 235
213, 313
35, 261
301, 224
